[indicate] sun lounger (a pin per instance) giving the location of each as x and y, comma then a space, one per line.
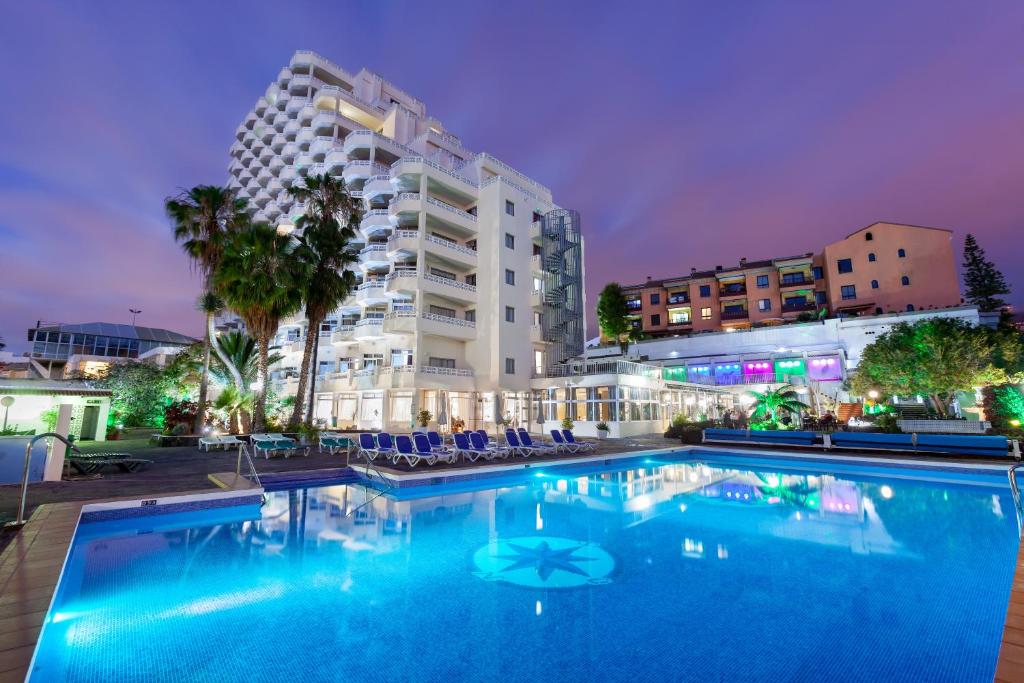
405, 450
93, 463
368, 447
464, 448
516, 446
436, 442
583, 445
386, 446
335, 442
480, 444
561, 444
527, 440
443, 454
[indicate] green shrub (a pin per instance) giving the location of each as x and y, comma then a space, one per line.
686, 428
567, 423
603, 427
886, 422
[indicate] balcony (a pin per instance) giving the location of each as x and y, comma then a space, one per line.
734, 315
403, 244
359, 142
795, 280
287, 176
680, 324
374, 256
397, 377
375, 223
368, 328
737, 289
342, 334
451, 215
371, 293
404, 208
281, 119
407, 171
678, 299
361, 170
798, 306
335, 161
446, 326
305, 138
378, 186
291, 129
537, 298
401, 282
295, 105
400, 322
458, 379
450, 250
536, 334
320, 146
448, 288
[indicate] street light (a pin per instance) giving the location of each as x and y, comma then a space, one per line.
134, 312
872, 394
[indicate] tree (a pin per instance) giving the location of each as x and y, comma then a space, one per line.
936, 358
611, 315
770, 403
325, 246
235, 404
243, 356
260, 279
138, 393
203, 219
982, 280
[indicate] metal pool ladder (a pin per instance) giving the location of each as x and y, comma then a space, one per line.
242, 450
20, 521
1015, 490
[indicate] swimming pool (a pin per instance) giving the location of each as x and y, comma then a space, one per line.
690, 568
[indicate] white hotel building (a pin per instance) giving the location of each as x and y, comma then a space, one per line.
470, 276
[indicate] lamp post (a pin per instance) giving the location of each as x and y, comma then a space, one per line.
134, 312
6, 402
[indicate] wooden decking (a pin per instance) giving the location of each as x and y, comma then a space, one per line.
1010, 668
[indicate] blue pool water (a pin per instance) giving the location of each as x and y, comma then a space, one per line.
703, 570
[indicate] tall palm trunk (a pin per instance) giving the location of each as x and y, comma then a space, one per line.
312, 381
204, 383
259, 407
312, 335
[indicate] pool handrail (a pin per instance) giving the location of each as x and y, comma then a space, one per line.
20, 520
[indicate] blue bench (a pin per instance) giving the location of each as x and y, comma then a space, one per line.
989, 446
781, 437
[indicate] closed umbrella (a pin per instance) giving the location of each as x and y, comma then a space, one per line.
499, 412
442, 408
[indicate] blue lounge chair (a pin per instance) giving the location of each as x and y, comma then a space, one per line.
464, 448
486, 437
527, 440
386, 446
421, 442
582, 445
516, 446
480, 444
368, 447
405, 450
561, 444
436, 442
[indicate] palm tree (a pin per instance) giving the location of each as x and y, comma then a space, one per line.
327, 228
771, 402
204, 217
260, 278
236, 404
243, 357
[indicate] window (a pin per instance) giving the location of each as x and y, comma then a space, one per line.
762, 281
510, 277
878, 310
447, 275
874, 284
678, 316
510, 208
471, 279
705, 290
818, 272
510, 240
845, 265
705, 314
656, 319
436, 362
470, 316
538, 362
905, 281
764, 305
868, 237
441, 310
901, 252
655, 299
871, 257
849, 292
819, 298
510, 314
401, 357
510, 366
910, 307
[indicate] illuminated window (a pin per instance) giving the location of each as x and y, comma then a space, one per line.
764, 305
705, 314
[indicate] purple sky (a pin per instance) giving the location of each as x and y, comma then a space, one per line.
685, 133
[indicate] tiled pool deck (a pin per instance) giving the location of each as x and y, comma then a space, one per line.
30, 566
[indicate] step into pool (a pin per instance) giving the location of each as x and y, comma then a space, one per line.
698, 569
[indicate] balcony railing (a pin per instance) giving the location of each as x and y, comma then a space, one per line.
370, 284
430, 277
679, 299
450, 244
732, 290
606, 367
400, 272
455, 372
734, 315
792, 280
452, 209
449, 320
799, 306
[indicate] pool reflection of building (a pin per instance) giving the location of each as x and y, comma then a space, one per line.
820, 509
